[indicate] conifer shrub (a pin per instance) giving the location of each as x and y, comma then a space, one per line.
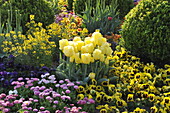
146, 31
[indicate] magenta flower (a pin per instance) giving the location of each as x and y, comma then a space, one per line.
67, 91
42, 108
19, 79
35, 110
55, 102
61, 81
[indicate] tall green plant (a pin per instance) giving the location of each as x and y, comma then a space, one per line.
40, 8
9, 28
103, 17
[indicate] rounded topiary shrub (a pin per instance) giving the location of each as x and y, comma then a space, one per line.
40, 8
146, 31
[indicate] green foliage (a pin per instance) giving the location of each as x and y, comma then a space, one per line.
70, 4
100, 20
146, 31
40, 8
123, 7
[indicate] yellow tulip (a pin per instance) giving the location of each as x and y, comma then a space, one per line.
88, 40
76, 39
109, 51
96, 54
77, 58
79, 45
89, 47
83, 49
74, 44
86, 58
102, 57
68, 51
63, 43
97, 36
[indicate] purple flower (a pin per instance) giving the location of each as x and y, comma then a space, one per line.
35, 100
5, 110
91, 101
70, 84
67, 91
78, 82
35, 110
61, 81
42, 88
49, 98
76, 87
55, 102
42, 108
57, 85
81, 102
19, 79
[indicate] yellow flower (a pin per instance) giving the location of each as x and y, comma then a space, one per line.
99, 88
151, 97
79, 45
102, 57
107, 60
121, 103
105, 83
92, 75
130, 98
63, 43
68, 51
31, 17
76, 39
98, 98
97, 36
103, 111
96, 54
89, 48
7, 35
92, 87
77, 58
83, 49
81, 89
80, 97
86, 58
111, 88
154, 109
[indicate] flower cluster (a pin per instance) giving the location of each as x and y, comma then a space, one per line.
67, 26
42, 95
92, 48
35, 45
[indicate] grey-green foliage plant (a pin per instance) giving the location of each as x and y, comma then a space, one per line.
40, 8
146, 31
123, 6
97, 17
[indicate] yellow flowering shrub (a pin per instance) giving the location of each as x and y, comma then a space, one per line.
34, 48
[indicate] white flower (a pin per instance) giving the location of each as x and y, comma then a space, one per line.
13, 92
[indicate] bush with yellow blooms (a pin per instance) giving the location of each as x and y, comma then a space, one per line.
34, 48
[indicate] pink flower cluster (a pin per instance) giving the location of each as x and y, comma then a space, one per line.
86, 101
7, 101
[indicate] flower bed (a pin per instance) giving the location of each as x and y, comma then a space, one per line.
86, 73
